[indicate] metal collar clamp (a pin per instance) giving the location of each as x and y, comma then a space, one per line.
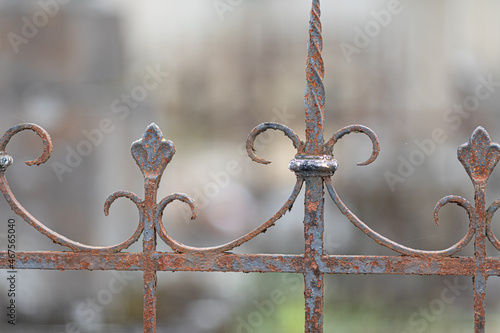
319, 166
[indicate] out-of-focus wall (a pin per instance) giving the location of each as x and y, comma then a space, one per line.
422, 74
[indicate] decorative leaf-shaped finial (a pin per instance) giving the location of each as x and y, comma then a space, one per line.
152, 152
479, 156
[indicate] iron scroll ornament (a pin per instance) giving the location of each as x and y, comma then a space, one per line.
314, 165
152, 153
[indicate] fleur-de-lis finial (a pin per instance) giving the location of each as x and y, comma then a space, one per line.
152, 152
479, 156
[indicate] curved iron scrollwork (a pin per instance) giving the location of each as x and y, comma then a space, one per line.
6, 160
314, 164
152, 153
479, 157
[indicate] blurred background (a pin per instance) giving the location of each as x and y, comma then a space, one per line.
422, 74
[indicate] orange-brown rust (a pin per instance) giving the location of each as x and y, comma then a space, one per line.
225, 263
312, 206
479, 157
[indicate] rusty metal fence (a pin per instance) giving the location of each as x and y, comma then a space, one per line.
313, 165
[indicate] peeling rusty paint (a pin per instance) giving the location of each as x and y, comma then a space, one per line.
479, 156
314, 165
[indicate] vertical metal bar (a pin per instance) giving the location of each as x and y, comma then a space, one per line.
313, 233
479, 157
480, 274
149, 247
314, 97
149, 312
314, 101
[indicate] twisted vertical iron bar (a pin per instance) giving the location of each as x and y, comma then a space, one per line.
314, 96
314, 101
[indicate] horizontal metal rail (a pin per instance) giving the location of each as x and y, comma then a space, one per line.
249, 263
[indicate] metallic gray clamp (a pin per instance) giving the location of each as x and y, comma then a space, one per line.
320, 166
5, 161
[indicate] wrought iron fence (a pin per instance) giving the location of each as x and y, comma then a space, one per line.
313, 165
